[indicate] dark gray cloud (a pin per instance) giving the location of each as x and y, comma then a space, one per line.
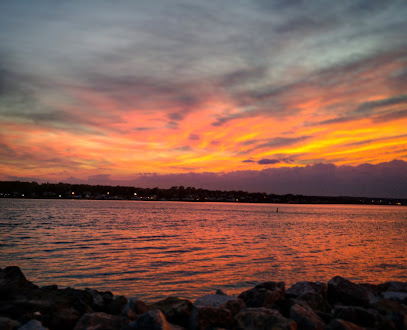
266, 161
383, 103
381, 180
395, 115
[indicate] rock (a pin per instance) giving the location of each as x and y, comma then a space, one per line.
64, 318
263, 318
81, 300
342, 291
220, 291
117, 305
306, 317
301, 288
153, 320
394, 286
175, 310
338, 324
50, 287
8, 324
316, 302
221, 301
134, 308
393, 311
33, 325
396, 296
360, 316
204, 317
264, 295
12, 281
100, 321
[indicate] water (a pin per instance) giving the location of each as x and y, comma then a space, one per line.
154, 249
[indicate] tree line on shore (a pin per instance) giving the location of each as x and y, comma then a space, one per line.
19, 189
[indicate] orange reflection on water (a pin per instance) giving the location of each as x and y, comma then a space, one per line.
152, 250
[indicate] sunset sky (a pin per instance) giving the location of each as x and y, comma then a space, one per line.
246, 95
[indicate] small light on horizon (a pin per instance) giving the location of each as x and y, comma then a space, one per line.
73, 193
108, 193
135, 194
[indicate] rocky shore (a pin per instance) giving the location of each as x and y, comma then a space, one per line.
338, 304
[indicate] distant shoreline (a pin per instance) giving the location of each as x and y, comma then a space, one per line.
33, 190
187, 201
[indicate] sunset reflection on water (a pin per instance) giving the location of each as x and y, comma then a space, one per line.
155, 249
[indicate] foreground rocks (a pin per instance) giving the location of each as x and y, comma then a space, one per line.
338, 304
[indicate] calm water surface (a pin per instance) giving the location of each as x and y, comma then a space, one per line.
154, 249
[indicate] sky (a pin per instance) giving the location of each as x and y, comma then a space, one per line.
294, 96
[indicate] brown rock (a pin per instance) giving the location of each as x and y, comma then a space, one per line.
204, 317
316, 302
393, 311
306, 317
175, 310
342, 291
263, 318
8, 324
33, 325
338, 324
360, 316
264, 295
301, 288
117, 305
100, 321
153, 320
221, 301
134, 308
13, 281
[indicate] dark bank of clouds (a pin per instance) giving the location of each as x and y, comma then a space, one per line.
381, 180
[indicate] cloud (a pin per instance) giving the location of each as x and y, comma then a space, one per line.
266, 161
248, 161
194, 137
273, 143
387, 179
382, 103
